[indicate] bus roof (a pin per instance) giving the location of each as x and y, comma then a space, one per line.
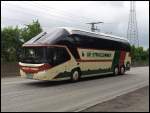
55, 34
72, 30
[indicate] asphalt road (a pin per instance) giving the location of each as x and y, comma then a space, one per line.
18, 94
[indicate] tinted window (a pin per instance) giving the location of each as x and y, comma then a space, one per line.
100, 43
84, 41
57, 55
33, 55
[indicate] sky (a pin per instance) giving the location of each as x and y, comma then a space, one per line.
114, 14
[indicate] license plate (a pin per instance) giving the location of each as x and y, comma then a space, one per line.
29, 76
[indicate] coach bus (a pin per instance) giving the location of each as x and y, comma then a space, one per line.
66, 53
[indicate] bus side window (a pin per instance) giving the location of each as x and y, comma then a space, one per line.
61, 55
65, 54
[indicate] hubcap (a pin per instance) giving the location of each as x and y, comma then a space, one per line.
122, 70
116, 71
75, 75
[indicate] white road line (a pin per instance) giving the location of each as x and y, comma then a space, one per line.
68, 97
108, 97
17, 82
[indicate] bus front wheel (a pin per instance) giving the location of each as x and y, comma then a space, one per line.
116, 70
75, 76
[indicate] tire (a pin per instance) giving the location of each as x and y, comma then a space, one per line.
122, 70
128, 66
116, 71
75, 76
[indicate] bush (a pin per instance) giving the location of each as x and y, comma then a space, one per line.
139, 56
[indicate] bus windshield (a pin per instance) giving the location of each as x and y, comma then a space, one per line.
37, 55
32, 55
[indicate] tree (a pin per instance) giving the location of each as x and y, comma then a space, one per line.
139, 55
31, 30
12, 39
9, 41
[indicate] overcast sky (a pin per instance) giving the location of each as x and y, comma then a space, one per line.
114, 14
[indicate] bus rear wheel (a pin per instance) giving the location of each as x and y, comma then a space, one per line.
116, 70
75, 76
122, 70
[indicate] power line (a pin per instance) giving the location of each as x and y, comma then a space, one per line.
63, 20
62, 16
56, 15
70, 14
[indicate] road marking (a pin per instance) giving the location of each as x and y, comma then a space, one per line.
108, 97
78, 96
17, 82
32, 80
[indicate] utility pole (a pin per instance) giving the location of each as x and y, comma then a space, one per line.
132, 32
93, 27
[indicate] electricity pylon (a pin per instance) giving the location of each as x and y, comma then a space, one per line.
132, 32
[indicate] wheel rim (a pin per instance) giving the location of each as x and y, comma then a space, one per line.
75, 76
116, 71
122, 70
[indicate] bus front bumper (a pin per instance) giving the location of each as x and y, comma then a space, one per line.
44, 75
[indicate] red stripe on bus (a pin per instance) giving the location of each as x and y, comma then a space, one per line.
96, 49
28, 69
122, 57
